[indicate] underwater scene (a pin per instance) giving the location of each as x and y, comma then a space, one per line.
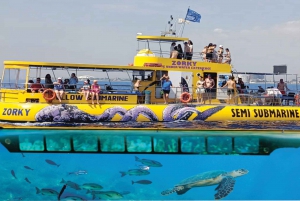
148, 165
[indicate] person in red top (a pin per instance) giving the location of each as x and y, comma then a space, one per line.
37, 87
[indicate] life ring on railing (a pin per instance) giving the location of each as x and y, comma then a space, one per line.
49, 95
185, 97
297, 100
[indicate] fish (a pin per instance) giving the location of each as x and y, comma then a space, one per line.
135, 172
142, 182
107, 195
149, 163
143, 167
79, 172
71, 198
23, 155
51, 162
26, 179
45, 191
71, 184
29, 168
13, 174
62, 191
91, 186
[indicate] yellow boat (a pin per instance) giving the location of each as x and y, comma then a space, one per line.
122, 103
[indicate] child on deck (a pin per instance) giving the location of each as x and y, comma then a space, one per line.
86, 90
95, 91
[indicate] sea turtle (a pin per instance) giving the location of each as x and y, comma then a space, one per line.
224, 179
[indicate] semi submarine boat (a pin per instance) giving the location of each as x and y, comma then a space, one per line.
122, 103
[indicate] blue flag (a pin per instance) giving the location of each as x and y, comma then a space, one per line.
192, 16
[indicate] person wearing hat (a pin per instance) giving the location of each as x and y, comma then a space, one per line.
86, 89
59, 89
220, 54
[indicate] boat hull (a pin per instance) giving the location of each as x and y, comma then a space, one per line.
88, 113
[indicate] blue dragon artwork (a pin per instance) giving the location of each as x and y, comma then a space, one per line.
70, 113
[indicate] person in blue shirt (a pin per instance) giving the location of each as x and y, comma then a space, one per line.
166, 87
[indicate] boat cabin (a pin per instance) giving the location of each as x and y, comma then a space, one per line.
117, 82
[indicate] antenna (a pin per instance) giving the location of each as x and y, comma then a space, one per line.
170, 31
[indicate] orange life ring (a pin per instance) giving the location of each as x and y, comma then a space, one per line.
185, 97
49, 95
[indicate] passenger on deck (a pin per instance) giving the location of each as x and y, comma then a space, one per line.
189, 53
209, 53
172, 48
174, 53
281, 86
166, 87
209, 83
66, 84
95, 91
215, 54
200, 89
86, 90
220, 54
242, 85
73, 81
108, 88
203, 54
59, 89
231, 87
30, 82
137, 85
180, 52
185, 50
227, 56
48, 82
260, 89
37, 87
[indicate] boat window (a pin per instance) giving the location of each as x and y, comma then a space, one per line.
14, 78
219, 145
159, 74
31, 142
142, 75
244, 145
87, 143
139, 144
58, 143
112, 143
165, 144
193, 145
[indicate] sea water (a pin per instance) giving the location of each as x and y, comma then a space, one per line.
272, 177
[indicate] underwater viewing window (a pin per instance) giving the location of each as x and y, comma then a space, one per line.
139, 143
85, 143
31, 142
166, 144
112, 143
246, 145
193, 144
58, 143
219, 145
148, 142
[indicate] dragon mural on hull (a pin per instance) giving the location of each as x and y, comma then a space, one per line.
70, 113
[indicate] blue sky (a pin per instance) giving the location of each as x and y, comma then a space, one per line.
259, 33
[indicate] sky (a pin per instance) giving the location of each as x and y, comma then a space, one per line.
259, 33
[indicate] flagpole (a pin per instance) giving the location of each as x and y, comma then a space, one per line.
184, 21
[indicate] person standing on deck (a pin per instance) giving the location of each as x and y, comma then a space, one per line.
281, 86
172, 48
231, 87
209, 83
166, 87
73, 81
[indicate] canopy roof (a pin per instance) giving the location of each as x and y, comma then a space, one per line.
161, 38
